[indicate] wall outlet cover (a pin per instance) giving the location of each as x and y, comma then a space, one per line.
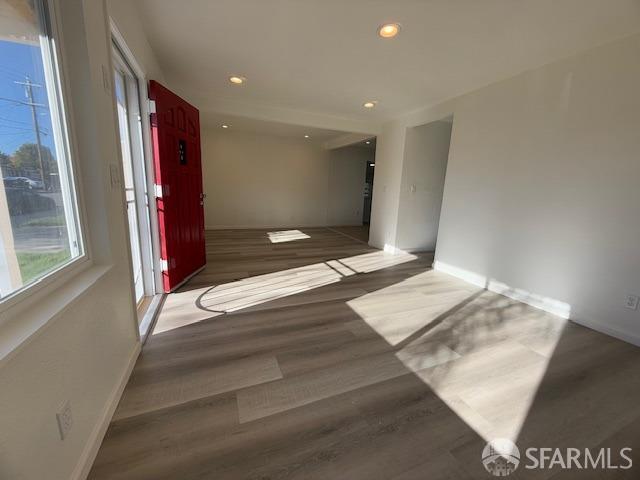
632, 302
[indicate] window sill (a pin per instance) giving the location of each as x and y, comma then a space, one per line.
24, 320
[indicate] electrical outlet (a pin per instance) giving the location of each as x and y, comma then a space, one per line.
65, 420
632, 302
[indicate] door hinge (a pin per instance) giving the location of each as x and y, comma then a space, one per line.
152, 106
164, 265
157, 190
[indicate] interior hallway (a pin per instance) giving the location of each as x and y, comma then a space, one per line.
306, 354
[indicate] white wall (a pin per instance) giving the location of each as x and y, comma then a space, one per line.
541, 191
255, 181
386, 185
88, 338
423, 172
347, 173
125, 15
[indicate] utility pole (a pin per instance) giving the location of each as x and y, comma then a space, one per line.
28, 88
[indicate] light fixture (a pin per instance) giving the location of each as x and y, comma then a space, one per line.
372, 164
389, 30
370, 104
368, 142
306, 136
237, 80
225, 126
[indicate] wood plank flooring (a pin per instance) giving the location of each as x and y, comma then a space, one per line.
318, 357
356, 232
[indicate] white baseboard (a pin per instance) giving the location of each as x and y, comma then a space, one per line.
551, 305
92, 446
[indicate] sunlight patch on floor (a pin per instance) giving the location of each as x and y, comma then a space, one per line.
286, 236
398, 311
185, 308
373, 261
483, 354
252, 291
180, 310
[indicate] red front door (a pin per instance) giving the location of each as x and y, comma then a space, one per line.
175, 128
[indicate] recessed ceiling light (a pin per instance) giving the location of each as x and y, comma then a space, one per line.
370, 104
237, 80
306, 136
225, 126
389, 30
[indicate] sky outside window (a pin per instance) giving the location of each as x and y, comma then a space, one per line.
18, 62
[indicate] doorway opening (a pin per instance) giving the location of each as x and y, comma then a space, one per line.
351, 188
368, 183
127, 94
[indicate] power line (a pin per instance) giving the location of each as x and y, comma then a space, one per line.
28, 87
13, 120
21, 102
16, 128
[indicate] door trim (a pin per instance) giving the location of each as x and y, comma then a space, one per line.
143, 92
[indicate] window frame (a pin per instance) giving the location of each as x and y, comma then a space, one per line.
63, 129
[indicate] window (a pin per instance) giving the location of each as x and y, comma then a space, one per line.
39, 231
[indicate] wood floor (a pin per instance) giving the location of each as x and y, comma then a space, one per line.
356, 232
318, 357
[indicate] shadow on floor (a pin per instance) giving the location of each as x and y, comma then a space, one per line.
398, 373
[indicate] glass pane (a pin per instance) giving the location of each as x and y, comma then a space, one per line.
129, 186
37, 210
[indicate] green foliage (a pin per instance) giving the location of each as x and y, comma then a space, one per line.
57, 221
5, 160
34, 265
26, 156
6, 165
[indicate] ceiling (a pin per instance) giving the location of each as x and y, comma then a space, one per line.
236, 123
315, 62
